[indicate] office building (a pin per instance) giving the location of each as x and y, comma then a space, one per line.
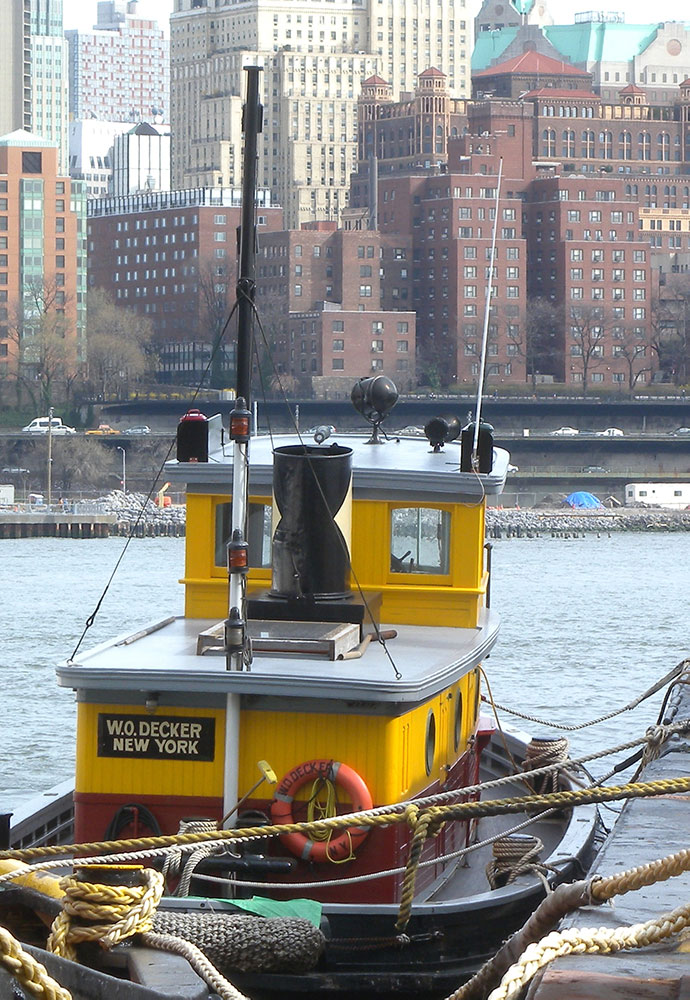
49, 75
15, 65
42, 261
119, 71
315, 59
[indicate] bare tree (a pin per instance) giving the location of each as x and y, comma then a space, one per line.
539, 339
587, 328
216, 300
45, 342
119, 345
670, 333
634, 345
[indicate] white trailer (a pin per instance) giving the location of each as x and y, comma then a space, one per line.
672, 496
6, 495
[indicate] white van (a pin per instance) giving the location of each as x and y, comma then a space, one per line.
40, 426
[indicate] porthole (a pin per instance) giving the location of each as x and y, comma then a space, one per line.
457, 724
430, 741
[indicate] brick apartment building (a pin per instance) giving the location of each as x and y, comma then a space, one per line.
42, 260
579, 215
172, 256
336, 303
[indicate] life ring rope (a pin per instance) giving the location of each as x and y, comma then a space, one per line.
336, 849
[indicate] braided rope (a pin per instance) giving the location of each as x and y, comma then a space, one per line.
565, 899
461, 810
198, 961
662, 869
30, 974
546, 751
515, 856
114, 912
588, 941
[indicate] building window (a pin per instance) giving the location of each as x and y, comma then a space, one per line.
32, 162
339, 345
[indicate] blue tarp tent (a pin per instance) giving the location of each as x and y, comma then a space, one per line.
583, 499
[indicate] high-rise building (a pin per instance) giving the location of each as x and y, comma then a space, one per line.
42, 261
141, 160
15, 65
119, 71
91, 153
314, 60
49, 75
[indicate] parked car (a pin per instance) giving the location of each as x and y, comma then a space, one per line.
680, 431
595, 468
138, 431
103, 429
610, 432
39, 425
565, 432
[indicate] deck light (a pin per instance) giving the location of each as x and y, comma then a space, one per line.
238, 553
240, 421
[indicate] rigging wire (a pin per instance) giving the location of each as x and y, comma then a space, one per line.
487, 312
92, 617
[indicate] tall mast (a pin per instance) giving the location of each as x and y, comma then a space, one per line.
237, 645
252, 121
237, 652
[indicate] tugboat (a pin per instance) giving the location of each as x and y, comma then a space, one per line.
337, 613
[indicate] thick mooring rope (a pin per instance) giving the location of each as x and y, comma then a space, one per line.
589, 941
106, 913
562, 901
30, 974
461, 810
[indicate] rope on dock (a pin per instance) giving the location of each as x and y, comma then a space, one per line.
104, 913
587, 941
563, 900
30, 974
108, 914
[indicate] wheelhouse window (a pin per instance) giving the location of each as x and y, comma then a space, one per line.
420, 540
258, 534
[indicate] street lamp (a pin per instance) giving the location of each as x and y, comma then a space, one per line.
50, 455
124, 468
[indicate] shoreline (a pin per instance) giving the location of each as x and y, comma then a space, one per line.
532, 522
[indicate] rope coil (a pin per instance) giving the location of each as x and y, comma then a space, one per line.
515, 856
113, 912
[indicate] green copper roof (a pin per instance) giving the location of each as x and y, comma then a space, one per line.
592, 42
490, 45
581, 44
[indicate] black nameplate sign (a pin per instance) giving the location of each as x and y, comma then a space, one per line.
161, 737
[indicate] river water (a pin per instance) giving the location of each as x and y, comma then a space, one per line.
588, 625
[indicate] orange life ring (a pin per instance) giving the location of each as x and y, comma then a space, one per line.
339, 847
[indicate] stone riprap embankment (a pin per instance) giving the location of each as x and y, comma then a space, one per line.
567, 523
135, 512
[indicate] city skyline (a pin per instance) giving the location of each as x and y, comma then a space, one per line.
81, 14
